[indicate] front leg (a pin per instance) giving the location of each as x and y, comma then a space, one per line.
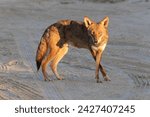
98, 59
103, 71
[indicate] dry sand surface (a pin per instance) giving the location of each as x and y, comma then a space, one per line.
126, 58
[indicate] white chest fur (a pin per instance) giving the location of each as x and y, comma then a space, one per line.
102, 47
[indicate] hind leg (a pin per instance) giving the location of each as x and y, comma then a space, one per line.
49, 58
56, 60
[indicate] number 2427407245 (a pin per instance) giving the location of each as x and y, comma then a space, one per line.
106, 109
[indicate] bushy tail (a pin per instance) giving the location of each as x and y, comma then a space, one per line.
41, 52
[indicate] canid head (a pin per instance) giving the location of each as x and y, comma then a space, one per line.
97, 31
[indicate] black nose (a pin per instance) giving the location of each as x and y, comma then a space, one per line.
95, 41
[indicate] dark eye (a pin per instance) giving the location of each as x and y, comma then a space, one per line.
100, 33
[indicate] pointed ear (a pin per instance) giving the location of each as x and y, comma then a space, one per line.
105, 22
87, 21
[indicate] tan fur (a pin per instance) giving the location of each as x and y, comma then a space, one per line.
56, 38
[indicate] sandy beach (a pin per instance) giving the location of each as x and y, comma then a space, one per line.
126, 57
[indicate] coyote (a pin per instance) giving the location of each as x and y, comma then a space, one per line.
56, 39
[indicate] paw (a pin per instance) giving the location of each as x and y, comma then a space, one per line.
46, 79
60, 78
99, 81
106, 78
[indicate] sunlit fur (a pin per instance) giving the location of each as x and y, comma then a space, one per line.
56, 38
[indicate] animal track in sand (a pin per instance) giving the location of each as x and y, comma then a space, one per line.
140, 80
14, 65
